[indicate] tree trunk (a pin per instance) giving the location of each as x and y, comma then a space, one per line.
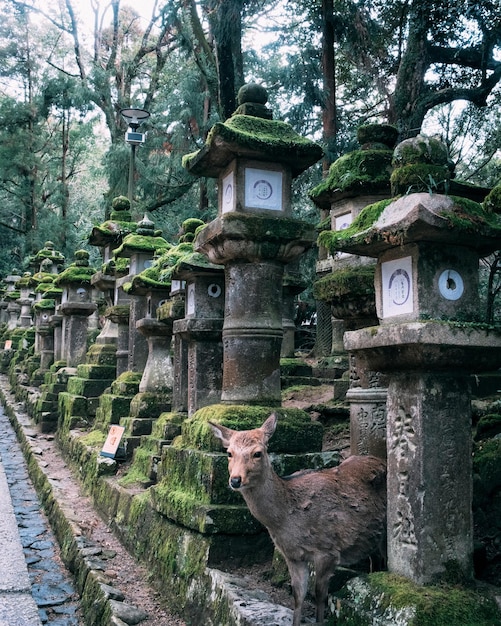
408, 109
329, 113
226, 23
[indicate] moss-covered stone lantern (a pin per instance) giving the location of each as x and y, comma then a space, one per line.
48, 259
254, 237
429, 340
140, 248
76, 307
108, 236
11, 297
26, 288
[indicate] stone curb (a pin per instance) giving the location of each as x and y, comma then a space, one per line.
102, 604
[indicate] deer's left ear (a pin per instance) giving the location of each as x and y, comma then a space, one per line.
269, 426
221, 432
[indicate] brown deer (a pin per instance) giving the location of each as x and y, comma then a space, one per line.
325, 518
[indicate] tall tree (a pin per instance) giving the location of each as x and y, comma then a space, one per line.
451, 52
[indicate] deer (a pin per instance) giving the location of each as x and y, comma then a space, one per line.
320, 518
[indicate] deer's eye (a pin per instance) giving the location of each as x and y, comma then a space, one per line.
257, 455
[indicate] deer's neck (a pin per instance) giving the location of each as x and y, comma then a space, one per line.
267, 500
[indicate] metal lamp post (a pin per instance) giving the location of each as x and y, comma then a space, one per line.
133, 117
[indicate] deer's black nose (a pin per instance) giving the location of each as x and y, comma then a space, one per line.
235, 482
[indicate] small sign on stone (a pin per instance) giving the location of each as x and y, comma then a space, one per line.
112, 442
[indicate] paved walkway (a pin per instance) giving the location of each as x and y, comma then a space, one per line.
35, 587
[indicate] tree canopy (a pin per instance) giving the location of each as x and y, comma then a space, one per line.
70, 67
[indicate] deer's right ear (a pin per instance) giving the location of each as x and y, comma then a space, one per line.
221, 432
269, 426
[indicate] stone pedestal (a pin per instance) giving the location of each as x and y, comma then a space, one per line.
158, 373
367, 420
252, 333
119, 315
292, 287
75, 330
254, 251
428, 439
168, 313
13, 311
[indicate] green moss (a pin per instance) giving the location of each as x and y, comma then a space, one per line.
264, 228
191, 224
116, 229
120, 203
143, 243
420, 149
351, 281
377, 133
358, 171
487, 463
492, 202
436, 605
420, 177
488, 426
471, 216
94, 439
260, 132
296, 432
75, 274
273, 139
44, 304
135, 474
364, 220
196, 259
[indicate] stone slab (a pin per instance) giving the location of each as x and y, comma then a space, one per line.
17, 606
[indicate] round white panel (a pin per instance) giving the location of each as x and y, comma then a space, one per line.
451, 285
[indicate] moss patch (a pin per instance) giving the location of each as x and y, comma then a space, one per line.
436, 606
487, 464
420, 177
492, 202
351, 281
358, 171
470, 216
332, 239
296, 432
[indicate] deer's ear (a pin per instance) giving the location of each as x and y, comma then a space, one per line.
221, 432
269, 426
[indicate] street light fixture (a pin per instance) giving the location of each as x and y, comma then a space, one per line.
133, 117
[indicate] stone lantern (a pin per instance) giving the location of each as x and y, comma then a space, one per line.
429, 341
139, 248
254, 159
26, 298
45, 308
48, 259
346, 281
76, 306
106, 237
201, 328
11, 296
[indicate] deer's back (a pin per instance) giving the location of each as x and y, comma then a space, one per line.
339, 511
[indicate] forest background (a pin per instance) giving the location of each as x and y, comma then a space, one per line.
69, 67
